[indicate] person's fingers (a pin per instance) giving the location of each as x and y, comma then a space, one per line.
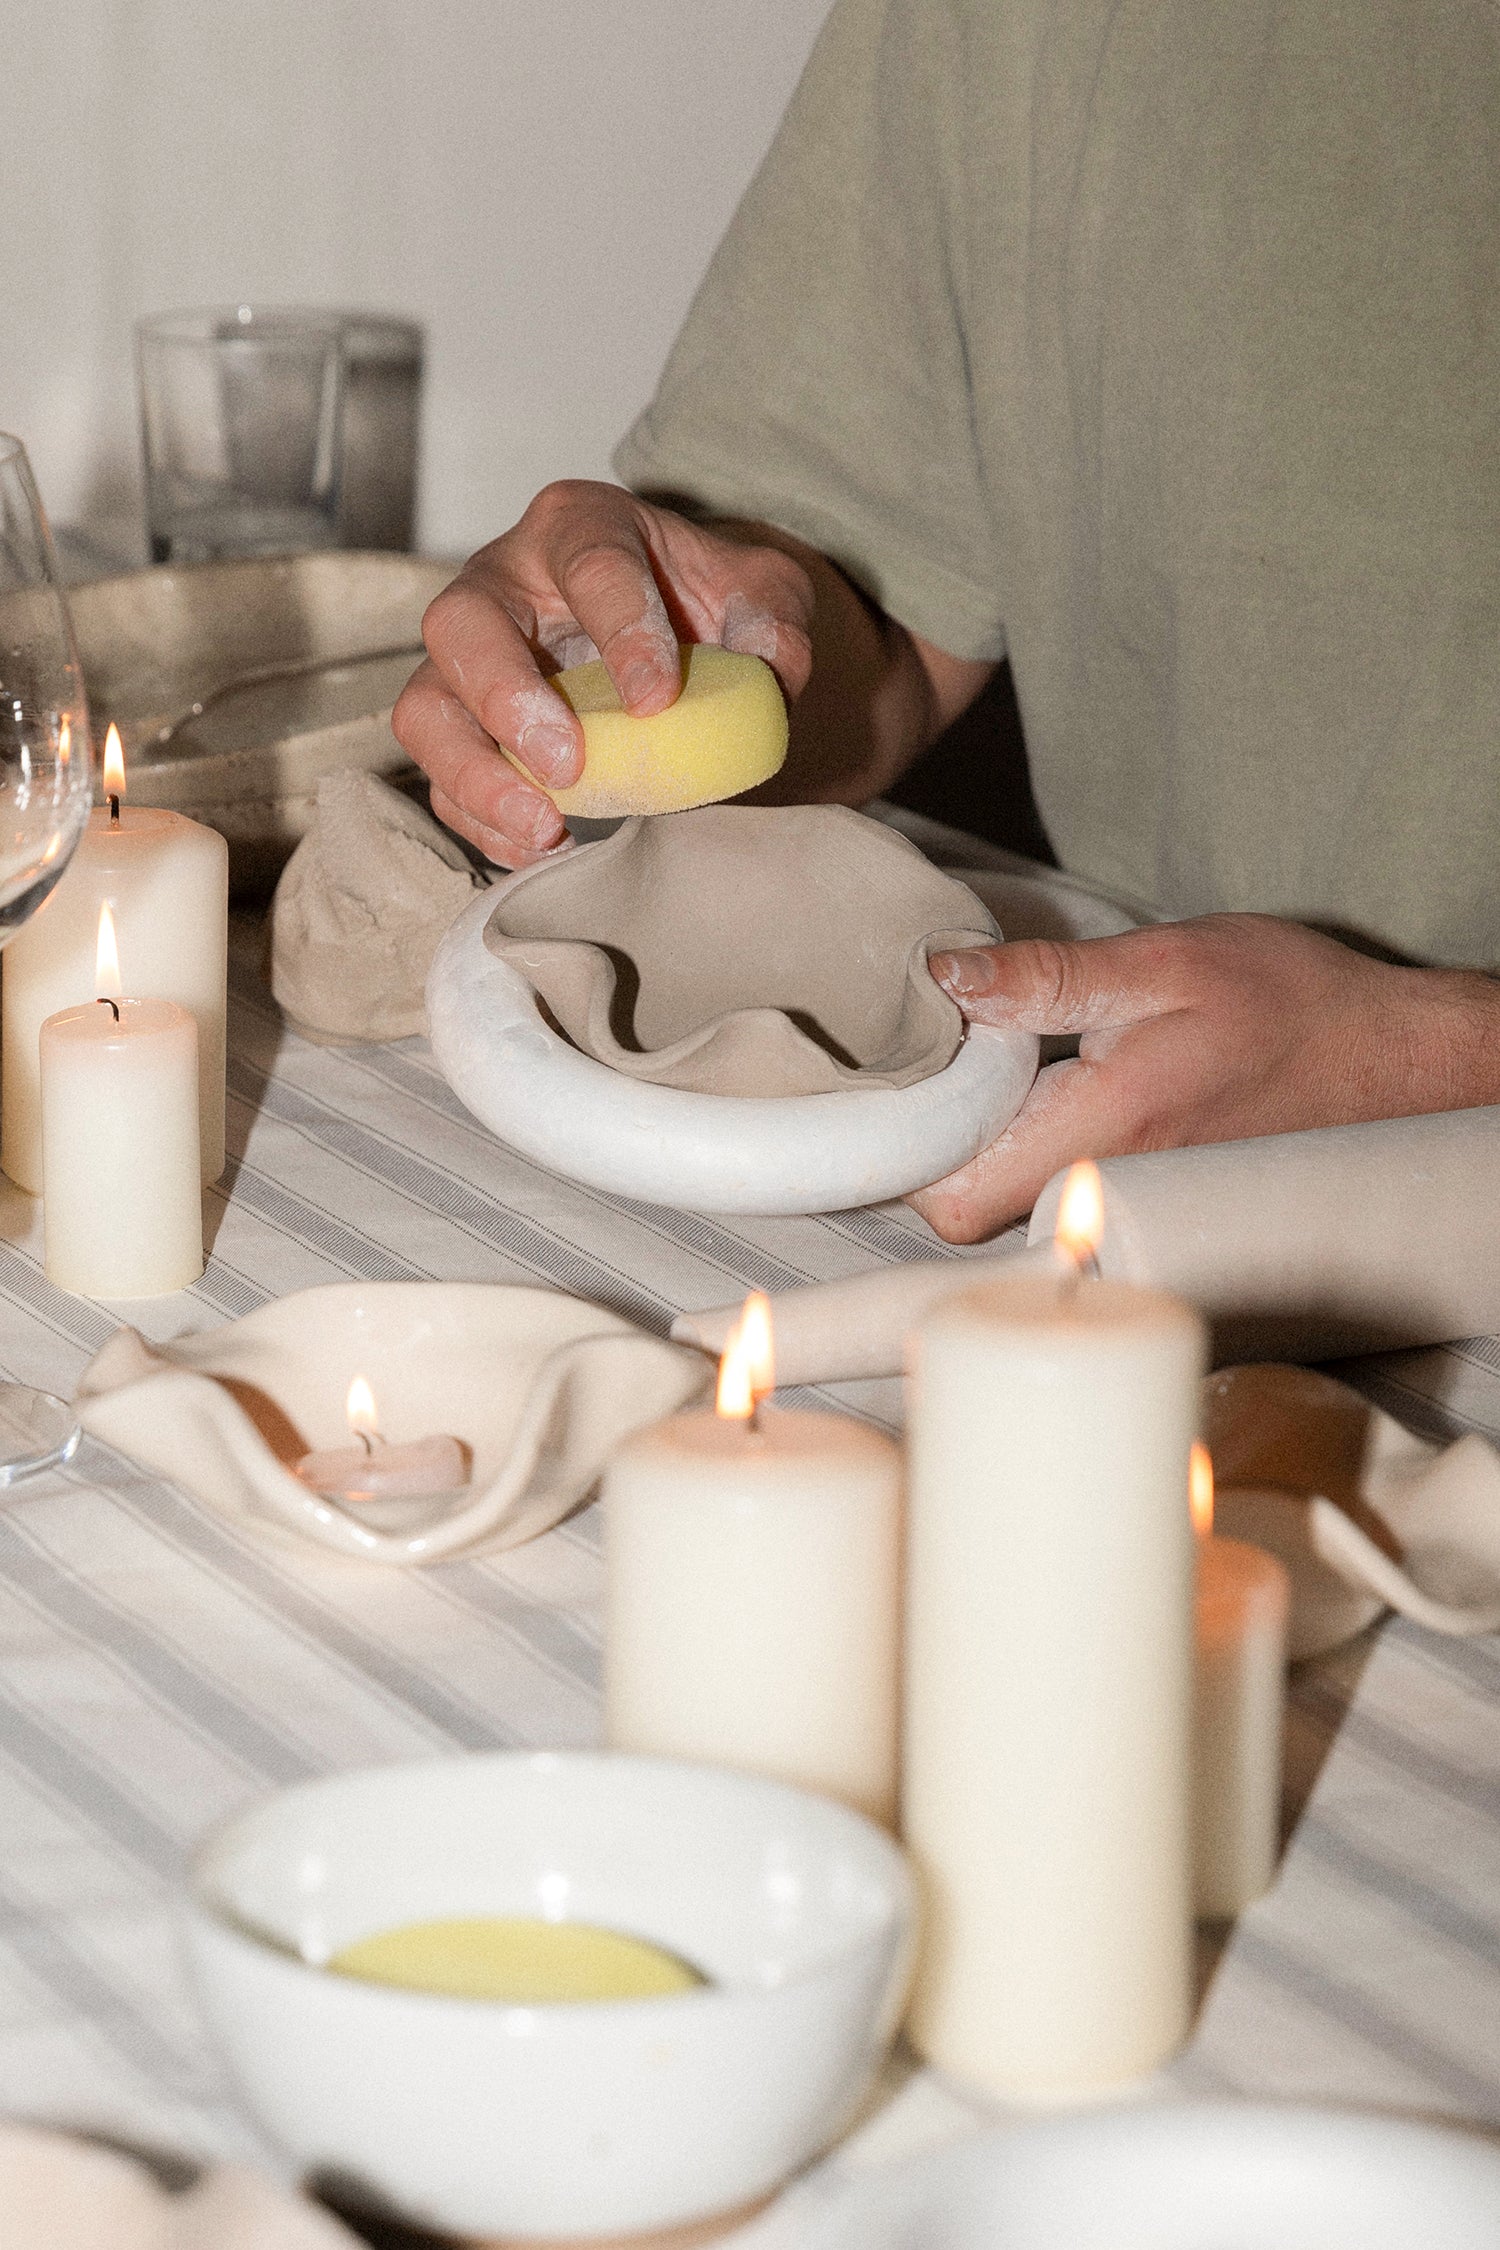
1075, 1109
1046, 986
502, 849
596, 555
486, 661
767, 610
469, 774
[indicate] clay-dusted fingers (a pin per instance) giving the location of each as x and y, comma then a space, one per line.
1045, 985
488, 667
498, 808
501, 849
601, 565
774, 622
589, 566
1074, 1110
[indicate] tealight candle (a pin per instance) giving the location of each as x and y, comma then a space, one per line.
1049, 1681
1243, 1604
751, 1609
122, 1200
372, 1469
165, 880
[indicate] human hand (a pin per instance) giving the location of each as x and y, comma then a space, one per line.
589, 569
1213, 1030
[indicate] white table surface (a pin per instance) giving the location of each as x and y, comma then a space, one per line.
158, 1667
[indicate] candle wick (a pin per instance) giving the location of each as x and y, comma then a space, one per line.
366, 1439
114, 812
104, 1001
1079, 1263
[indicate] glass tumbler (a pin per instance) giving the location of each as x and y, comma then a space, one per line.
242, 425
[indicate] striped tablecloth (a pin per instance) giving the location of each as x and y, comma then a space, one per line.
158, 1668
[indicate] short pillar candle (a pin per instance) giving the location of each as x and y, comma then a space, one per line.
122, 1200
165, 880
752, 1598
1049, 1683
122, 1205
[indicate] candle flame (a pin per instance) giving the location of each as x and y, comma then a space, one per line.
359, 1409
1201, 1489
747, 1370
65, 743
107, 957
114, 763
1080, 1214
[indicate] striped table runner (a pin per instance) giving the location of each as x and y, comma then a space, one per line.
157, 1668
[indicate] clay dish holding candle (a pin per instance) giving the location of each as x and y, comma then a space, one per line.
727, 1010
523, 1392
1364, 1515
562, 2120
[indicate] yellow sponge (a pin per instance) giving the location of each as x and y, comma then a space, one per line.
726, 732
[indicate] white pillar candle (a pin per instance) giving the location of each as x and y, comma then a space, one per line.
752, 1599
122, 1197
1049, 1682
165, 879
1243, 1604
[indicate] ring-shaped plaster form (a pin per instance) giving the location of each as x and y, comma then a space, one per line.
764, 1156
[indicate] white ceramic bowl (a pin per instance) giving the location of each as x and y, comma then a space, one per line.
732, 1153
1245, 2176
578, 2120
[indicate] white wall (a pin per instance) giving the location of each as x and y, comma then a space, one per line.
540, 181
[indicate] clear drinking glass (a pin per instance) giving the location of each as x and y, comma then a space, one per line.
382, 413
46, 786
242, 423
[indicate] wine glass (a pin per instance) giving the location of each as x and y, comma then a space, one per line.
46, 786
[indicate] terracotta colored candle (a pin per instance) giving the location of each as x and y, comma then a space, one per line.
165, 880
1243, 1604
122, 1196
751, 1618
1049, 1681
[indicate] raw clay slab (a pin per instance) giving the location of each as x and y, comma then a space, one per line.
737, 951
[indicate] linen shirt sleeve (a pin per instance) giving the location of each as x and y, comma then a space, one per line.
821, 380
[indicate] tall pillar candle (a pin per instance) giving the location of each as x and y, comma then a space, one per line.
752, 1598
1244, 1602
122, 1198
1049, 1682
166, 881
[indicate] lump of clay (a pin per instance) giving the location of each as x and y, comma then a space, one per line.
737, 951
726, 732
360, 908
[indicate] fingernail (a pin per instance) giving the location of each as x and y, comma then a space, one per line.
538, 824
549, 752
641, 681
965, 975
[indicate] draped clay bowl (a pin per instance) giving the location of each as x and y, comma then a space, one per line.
727, 1010
1365, 1516
538, 1386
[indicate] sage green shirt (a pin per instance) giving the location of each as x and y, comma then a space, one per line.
1155, 343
